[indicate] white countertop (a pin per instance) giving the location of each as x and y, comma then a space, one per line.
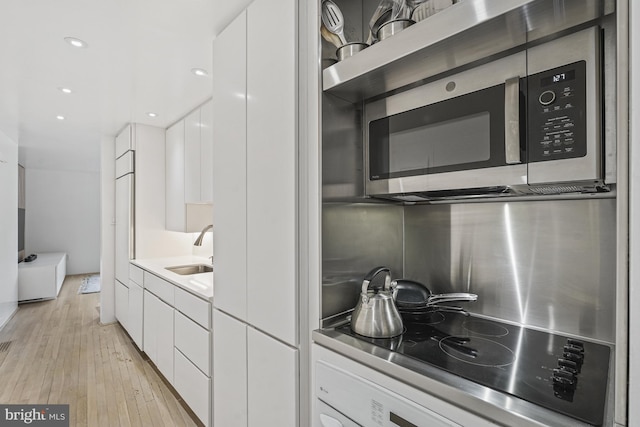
201, 285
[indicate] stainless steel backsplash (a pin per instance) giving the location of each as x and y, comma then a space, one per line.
546, 264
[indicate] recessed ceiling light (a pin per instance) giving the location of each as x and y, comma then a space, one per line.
151, 114
60, 117
75, 42
199, 72
65, 90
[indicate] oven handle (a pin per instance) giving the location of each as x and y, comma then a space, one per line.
512, 120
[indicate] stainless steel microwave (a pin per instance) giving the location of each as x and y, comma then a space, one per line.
528, 123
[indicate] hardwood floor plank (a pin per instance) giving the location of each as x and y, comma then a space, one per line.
60, 353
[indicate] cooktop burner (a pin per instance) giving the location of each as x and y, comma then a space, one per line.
553, 371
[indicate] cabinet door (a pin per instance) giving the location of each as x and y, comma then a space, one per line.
271, 168
124, 238
164, 339
149, 339
192, 156
193, 386
229, 169
174, 170
273, 387
135, 316
122, 304
206, 152
229, 371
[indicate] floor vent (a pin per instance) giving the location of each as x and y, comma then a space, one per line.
4, 346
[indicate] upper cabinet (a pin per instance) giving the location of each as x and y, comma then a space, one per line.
230, 168
255, 169
189, 171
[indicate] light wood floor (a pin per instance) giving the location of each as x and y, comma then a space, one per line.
59, 353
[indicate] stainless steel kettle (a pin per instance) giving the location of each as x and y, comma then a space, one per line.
376, 315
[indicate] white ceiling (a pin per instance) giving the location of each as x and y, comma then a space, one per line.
139, 59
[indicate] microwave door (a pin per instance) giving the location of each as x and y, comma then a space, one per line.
457, 133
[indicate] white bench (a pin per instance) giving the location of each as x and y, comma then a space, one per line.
42, 278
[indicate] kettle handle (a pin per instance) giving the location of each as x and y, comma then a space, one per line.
373, 273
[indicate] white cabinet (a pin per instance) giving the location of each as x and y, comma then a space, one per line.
189, 172
255, 377
193, 386
230, 169
271, 168
255, 170
158, 334
273, 374
122, 303
177, 339
135, 305
229, 371
43, 277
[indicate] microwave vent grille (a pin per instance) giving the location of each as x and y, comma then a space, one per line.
557, 189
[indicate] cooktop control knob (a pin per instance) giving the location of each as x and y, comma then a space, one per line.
547, 97
575, 343
564, 379
568, 365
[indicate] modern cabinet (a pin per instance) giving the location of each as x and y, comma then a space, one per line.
135, 305
158, 324
140, 203
230, 371
189, 171
122, 303
272, 374
256, 316
271, 168
230, 168
255, 170
177, 338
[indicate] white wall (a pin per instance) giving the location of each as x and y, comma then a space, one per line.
108, 220
63, 215
8, 228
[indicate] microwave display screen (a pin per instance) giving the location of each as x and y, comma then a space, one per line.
433, 146
465, 132
558, 78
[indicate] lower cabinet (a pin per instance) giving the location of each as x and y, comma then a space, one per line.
176, 335
158, 334
122, 304
255, 377
135, 313
229, 371
193, 385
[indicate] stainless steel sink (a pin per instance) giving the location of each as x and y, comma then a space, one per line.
185, 270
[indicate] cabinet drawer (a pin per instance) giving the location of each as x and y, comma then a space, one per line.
159, 287
136, 274
193, 341
193, 386
193, 307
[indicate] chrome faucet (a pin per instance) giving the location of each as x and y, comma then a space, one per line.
198, 241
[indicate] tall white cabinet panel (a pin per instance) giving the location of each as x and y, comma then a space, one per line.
192, 156
230, 172
271, 168
206, 152
229, 371
273, 374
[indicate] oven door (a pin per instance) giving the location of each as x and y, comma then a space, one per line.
460, 132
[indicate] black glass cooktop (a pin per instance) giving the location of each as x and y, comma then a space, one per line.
562, 374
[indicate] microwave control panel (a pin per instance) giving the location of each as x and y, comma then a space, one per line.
557, 126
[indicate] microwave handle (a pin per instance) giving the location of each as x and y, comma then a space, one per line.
512, 120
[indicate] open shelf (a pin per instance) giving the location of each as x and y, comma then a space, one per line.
468, 31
